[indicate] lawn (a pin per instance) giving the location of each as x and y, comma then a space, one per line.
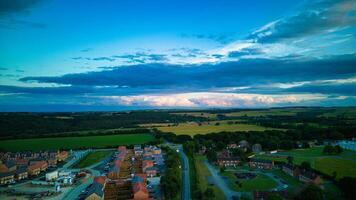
260, 182
203, 174
343, 164
92, 158
269, 112
193, 128
37, 144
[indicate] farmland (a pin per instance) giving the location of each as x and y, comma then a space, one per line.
75, 142
211, 127
92, 158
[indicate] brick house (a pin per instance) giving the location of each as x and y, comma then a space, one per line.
261, 163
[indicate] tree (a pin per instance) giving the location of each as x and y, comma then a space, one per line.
311, 192
209, 193
212, 156
338, 149
328, 149
305, 165
347, 186
290, 160
222, 169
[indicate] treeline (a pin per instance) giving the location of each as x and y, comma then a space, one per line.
269, 139
171, 182
79, 134
37, 124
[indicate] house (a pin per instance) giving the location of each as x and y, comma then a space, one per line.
146, 164
310, 177
114, 173
156, 150
151, 171
138, 150
62, 156
21, 173
291, 170
140, 191
52, 162
256, 148
95, 192
261, 195
228, 161
50, 176
8, 166
261, 163
6, 178
232, 146
34, 170
244, 145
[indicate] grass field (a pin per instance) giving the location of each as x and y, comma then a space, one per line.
343, 164
194, 128
260, 182
92, 158
74, 142
271, 112
202, 174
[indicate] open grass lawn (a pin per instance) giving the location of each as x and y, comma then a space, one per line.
260, 182
203, 174
37, 144
343, 164
92, 158
194, 128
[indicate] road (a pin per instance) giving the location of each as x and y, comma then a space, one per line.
76, 191
185, 192
220, 182
185, 175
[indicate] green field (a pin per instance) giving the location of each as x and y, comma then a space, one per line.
343, 164
74, 142
194, 128
260, 182
202, 174
92, 158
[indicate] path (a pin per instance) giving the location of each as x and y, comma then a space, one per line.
220, 182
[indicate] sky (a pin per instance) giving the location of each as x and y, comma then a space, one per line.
78, 55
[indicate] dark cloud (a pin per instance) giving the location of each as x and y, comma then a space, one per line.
316, 17
341, 89
104, 59
244, 52
12, 6
228, 74
86, 49
20, 70
3, 68
67, 90
222, 38
142, 57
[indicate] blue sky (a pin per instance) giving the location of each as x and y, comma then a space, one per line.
107, 55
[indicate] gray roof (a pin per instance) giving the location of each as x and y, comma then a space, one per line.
96, 188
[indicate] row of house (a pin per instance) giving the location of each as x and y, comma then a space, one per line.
18, 166
152, 161
301, 174
114, 171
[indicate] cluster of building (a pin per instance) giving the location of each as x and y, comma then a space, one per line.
16, 166
128, 173
306, 176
